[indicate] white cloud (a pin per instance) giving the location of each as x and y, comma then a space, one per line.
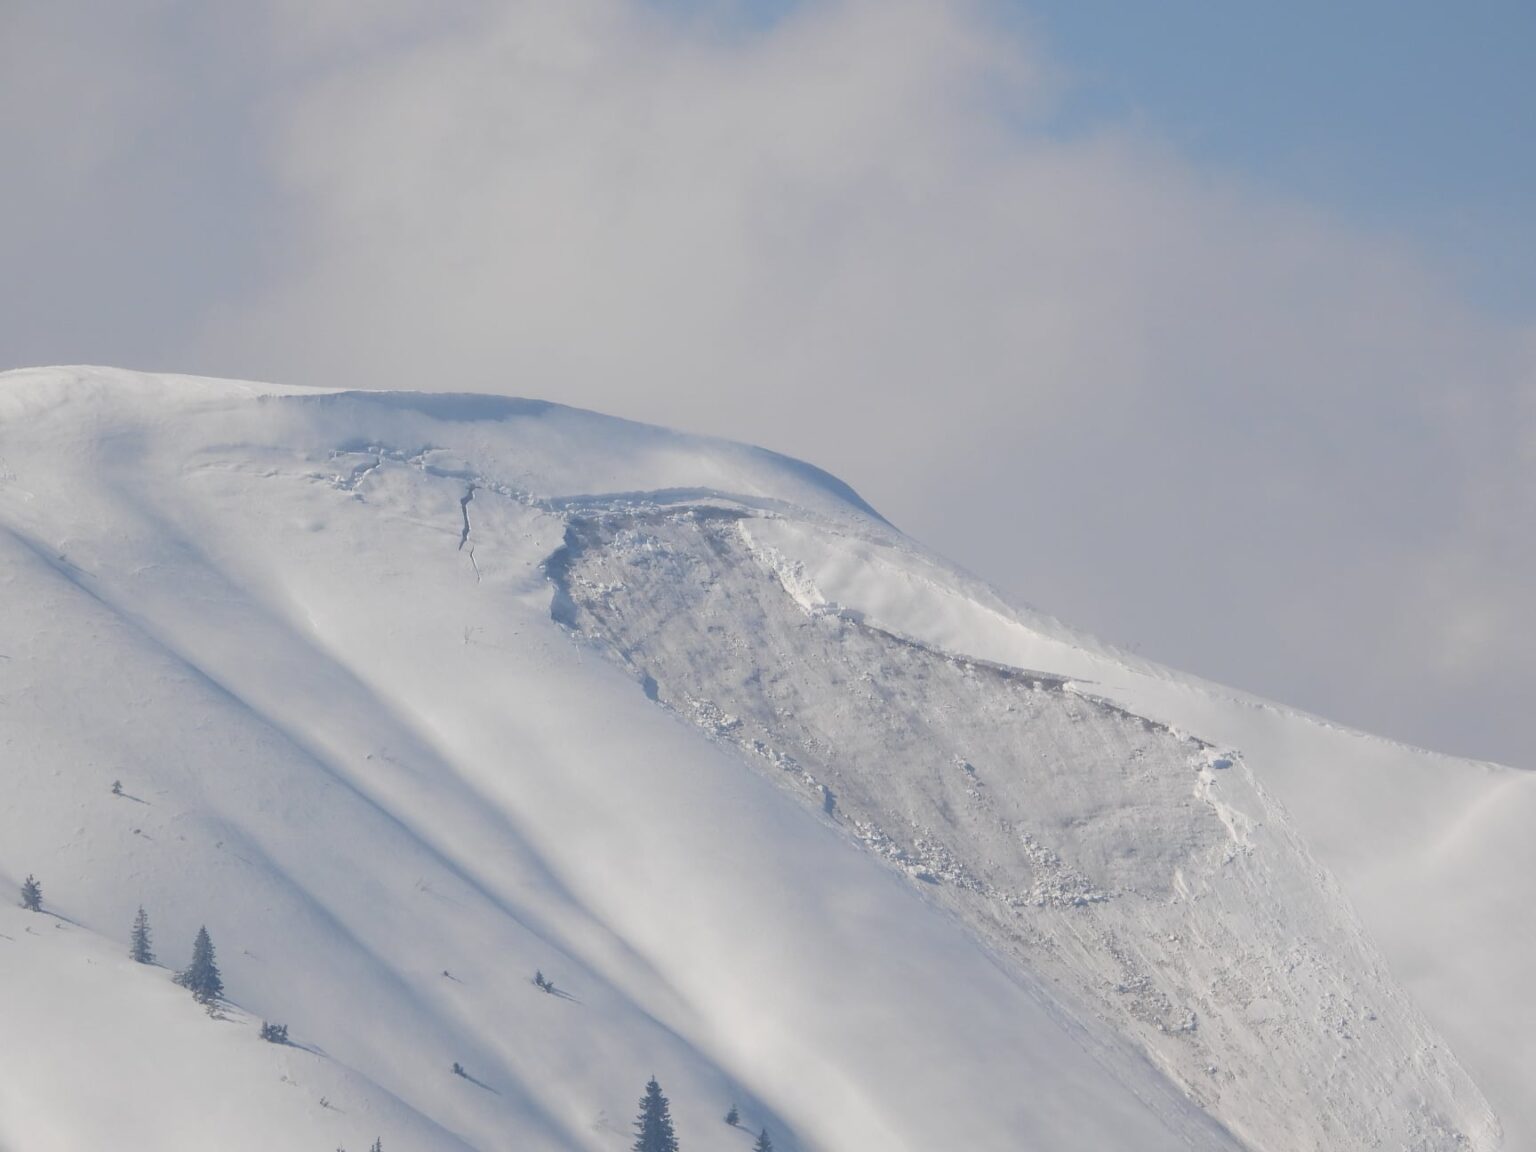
1253, 439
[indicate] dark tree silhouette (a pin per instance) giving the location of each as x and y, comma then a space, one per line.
733, 1117
201, 977
139, 947
653, 1127
764, 1144
31, 894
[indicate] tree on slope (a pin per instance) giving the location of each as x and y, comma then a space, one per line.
201, 977
763, 1143
653, 1127
138, 947
31, 894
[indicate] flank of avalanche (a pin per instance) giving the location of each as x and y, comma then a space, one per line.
413, 695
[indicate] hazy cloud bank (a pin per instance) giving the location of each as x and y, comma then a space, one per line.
1242, 435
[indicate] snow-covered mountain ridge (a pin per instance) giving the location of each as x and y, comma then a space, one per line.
393, 684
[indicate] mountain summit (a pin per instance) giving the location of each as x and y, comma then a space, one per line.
408, 698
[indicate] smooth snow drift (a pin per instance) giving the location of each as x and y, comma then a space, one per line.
413, 695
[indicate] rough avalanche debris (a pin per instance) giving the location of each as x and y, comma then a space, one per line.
1084, 857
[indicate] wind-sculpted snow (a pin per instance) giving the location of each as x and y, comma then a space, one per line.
1141, 870
925, 879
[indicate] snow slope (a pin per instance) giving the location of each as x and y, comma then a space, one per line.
1433, 852
411, 695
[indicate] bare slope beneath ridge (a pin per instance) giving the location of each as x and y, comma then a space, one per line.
311, 634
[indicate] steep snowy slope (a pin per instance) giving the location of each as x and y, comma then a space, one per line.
103, 1053
1434, 853
1141, 869
394, 683
354, 743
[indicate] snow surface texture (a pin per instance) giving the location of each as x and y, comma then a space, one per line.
392, 683
1141, 870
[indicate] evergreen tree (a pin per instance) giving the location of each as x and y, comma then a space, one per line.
378, 1145
139, 949
201, 977
31, 894
653, 1127
763, 1143
733, 1117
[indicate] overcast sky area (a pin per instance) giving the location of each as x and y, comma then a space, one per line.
1209, 331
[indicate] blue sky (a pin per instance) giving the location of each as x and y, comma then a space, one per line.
1408, 116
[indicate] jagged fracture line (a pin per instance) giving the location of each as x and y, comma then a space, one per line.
469, 494
464, 500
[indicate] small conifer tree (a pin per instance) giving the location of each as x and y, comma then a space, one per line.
733, 1117
201, 977
117, 787
31, 894
139, 947
378, 1145
653, 1127
764, 1144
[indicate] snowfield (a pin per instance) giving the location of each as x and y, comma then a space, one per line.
412, 695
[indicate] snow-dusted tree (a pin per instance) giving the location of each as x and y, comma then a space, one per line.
31, 894
274, 1033
764, 1144
138, 947
733, 1117
201, 977
378, 1145
653, 1127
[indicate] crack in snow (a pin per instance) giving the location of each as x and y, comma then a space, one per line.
464, 502
469, 494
